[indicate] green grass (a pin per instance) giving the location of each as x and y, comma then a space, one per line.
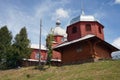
103, 70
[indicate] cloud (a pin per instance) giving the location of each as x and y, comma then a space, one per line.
116, 43
61, 13
16, 17
99, 15
117, 1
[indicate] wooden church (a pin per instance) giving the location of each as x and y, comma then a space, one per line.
83, 41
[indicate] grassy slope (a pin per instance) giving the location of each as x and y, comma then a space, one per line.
104, 70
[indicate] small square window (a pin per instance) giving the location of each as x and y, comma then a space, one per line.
74, 29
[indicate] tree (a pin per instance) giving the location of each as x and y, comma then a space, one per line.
5, 46
49, 41
21, 46
11, 55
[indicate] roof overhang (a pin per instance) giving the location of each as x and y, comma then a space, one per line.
86, 22
87, 37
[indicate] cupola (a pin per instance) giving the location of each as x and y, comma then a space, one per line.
83, 25
83, 17
58, 31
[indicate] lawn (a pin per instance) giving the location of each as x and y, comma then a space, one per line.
102, 70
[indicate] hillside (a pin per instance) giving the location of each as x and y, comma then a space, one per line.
103, 70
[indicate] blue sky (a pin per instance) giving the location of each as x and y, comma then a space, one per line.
19, 13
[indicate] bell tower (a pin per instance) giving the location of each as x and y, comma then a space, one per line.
84, 25
58, 34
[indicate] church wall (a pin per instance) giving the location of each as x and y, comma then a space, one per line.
35, 55
76, 35
56, 55
100, 35
101, 52
96, 29
76, 53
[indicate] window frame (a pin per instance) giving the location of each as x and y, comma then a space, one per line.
88, 27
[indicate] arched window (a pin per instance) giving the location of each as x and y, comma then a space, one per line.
74, 29
88, 27
99, 28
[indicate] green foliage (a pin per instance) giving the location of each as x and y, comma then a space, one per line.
13, 59
49, 41
12, 54
21, 46
5, 46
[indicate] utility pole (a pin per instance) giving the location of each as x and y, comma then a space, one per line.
40, 43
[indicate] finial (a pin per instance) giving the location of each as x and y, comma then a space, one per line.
82, 13
82, 9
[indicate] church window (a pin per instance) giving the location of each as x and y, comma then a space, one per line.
99, 30
79, 49
88, 27
74, 29
37, 55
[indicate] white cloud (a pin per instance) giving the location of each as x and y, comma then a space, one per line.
116, 43
16, 17
61, 13
116, 55
117, 1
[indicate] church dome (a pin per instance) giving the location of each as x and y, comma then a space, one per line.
83, 17
58, 30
